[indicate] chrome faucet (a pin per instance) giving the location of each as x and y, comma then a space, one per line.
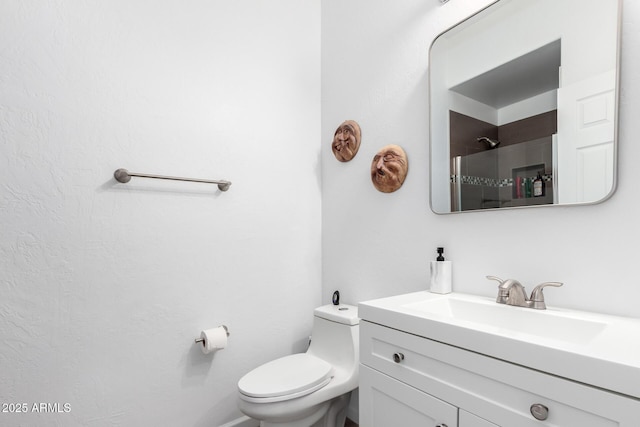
511, 292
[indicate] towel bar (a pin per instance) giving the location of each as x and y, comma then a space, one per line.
124, 176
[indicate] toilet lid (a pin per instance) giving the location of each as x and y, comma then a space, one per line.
297, 374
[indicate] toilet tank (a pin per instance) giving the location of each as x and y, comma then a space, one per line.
343, 313
335, 335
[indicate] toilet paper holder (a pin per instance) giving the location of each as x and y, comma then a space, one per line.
201, 340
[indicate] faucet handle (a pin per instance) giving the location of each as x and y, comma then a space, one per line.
537, 297
503, 293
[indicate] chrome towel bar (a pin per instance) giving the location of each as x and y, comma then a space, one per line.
124, 176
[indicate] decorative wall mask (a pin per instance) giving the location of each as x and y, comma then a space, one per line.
389, 168
346, 141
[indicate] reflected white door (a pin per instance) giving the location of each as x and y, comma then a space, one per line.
586, 129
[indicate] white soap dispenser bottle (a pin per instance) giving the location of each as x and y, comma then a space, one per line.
440, 274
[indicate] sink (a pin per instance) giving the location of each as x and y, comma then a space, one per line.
591, 348
548, 324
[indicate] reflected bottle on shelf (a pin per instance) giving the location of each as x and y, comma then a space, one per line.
538, 186
527, 187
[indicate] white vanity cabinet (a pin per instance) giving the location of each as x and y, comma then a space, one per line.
390, 402
408, 380
467, 419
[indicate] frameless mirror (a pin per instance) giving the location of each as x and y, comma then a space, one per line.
523, 99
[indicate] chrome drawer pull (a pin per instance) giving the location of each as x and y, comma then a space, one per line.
441, 425
539, 411
398, 357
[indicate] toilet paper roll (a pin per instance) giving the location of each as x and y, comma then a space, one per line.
213, 339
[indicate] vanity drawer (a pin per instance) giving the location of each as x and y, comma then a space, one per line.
495, 390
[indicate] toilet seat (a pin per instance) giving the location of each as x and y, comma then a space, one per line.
286, 378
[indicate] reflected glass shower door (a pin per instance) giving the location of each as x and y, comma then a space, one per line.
503, 177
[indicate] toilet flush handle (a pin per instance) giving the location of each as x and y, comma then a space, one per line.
336, 298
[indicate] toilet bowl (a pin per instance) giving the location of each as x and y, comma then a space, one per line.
309, 389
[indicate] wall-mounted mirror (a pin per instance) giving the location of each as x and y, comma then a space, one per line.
523, 106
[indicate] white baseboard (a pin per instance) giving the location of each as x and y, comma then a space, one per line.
242, 422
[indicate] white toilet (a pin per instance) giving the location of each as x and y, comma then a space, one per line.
309, 389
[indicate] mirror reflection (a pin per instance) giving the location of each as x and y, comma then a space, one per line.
523, 106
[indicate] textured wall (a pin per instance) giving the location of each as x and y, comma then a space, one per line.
104, 286
375, 71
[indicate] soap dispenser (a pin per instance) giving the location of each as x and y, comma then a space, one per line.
440, 274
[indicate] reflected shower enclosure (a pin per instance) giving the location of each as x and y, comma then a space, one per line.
501, 170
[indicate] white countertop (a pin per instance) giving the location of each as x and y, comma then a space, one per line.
591, 348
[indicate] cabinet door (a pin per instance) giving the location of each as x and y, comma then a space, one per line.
386, 402
469, 420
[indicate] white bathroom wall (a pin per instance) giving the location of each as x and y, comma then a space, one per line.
375, 71
104, 286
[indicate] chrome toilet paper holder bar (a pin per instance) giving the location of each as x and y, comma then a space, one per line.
201, 340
